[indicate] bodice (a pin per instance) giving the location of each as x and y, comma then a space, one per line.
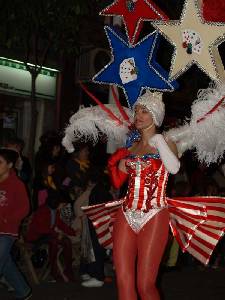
147, 182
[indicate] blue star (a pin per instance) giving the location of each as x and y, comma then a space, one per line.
147, 73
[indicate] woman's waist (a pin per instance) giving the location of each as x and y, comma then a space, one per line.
144, 204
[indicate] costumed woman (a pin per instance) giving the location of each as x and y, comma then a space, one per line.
137, 225
140, 230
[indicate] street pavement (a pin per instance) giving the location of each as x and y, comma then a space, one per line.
187, 284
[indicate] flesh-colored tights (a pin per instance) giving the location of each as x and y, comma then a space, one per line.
146, 249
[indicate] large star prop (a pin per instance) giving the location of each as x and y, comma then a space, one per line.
133, 13
134, 68
195, 41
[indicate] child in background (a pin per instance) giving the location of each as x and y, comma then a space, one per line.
47, 226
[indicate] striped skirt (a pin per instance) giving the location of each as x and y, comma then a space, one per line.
196, 222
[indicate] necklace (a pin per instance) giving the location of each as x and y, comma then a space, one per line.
150, 126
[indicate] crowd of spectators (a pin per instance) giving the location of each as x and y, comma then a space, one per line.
59, 184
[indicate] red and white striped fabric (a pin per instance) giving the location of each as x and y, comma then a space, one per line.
141, 194
196, 222
102, 217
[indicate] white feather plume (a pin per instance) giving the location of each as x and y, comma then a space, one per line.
206, 129
90, 123
209, 133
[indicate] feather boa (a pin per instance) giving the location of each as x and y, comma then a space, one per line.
90, 123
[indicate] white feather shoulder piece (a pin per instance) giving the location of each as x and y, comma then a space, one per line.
205, 131
207, 123
90, 123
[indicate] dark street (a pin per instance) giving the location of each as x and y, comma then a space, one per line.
186, 285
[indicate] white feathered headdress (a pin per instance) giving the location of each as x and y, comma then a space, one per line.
206, 130
153, 102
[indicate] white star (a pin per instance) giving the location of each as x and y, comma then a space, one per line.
202, 39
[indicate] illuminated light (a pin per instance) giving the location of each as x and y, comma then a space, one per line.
16, 64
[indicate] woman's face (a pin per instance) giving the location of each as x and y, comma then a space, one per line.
5, 167
142, 117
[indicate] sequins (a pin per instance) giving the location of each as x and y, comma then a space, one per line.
137, 218
133, 136
130, 4
192, 41
145, 156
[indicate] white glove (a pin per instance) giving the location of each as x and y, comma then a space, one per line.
169, 159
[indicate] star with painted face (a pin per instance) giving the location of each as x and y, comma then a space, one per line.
196, 42
134, 68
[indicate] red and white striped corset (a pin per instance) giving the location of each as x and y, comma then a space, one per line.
147, 182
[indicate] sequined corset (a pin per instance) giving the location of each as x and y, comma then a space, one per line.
147, 182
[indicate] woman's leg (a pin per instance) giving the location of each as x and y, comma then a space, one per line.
151, 241
124, 256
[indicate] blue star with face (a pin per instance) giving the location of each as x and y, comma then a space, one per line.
134, 68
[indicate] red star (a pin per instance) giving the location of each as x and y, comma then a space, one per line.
133, 13
214, 11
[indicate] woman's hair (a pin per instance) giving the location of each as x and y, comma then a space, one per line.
9, 155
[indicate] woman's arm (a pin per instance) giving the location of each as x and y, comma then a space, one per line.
167, 151
116, 167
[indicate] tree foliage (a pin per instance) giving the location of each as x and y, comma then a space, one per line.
35, 27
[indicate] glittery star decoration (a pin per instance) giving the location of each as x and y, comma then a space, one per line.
195, 41
133, 13
133, 68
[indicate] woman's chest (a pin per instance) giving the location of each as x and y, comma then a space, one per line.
143, 165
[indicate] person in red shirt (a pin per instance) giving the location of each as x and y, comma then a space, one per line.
47, 226
14, 207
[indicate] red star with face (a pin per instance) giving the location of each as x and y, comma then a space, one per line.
133, 13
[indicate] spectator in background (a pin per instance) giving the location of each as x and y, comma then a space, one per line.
14, 206
49, 153
47, 226
78, 164
43, 183
94, 271
50, 149
23, 166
